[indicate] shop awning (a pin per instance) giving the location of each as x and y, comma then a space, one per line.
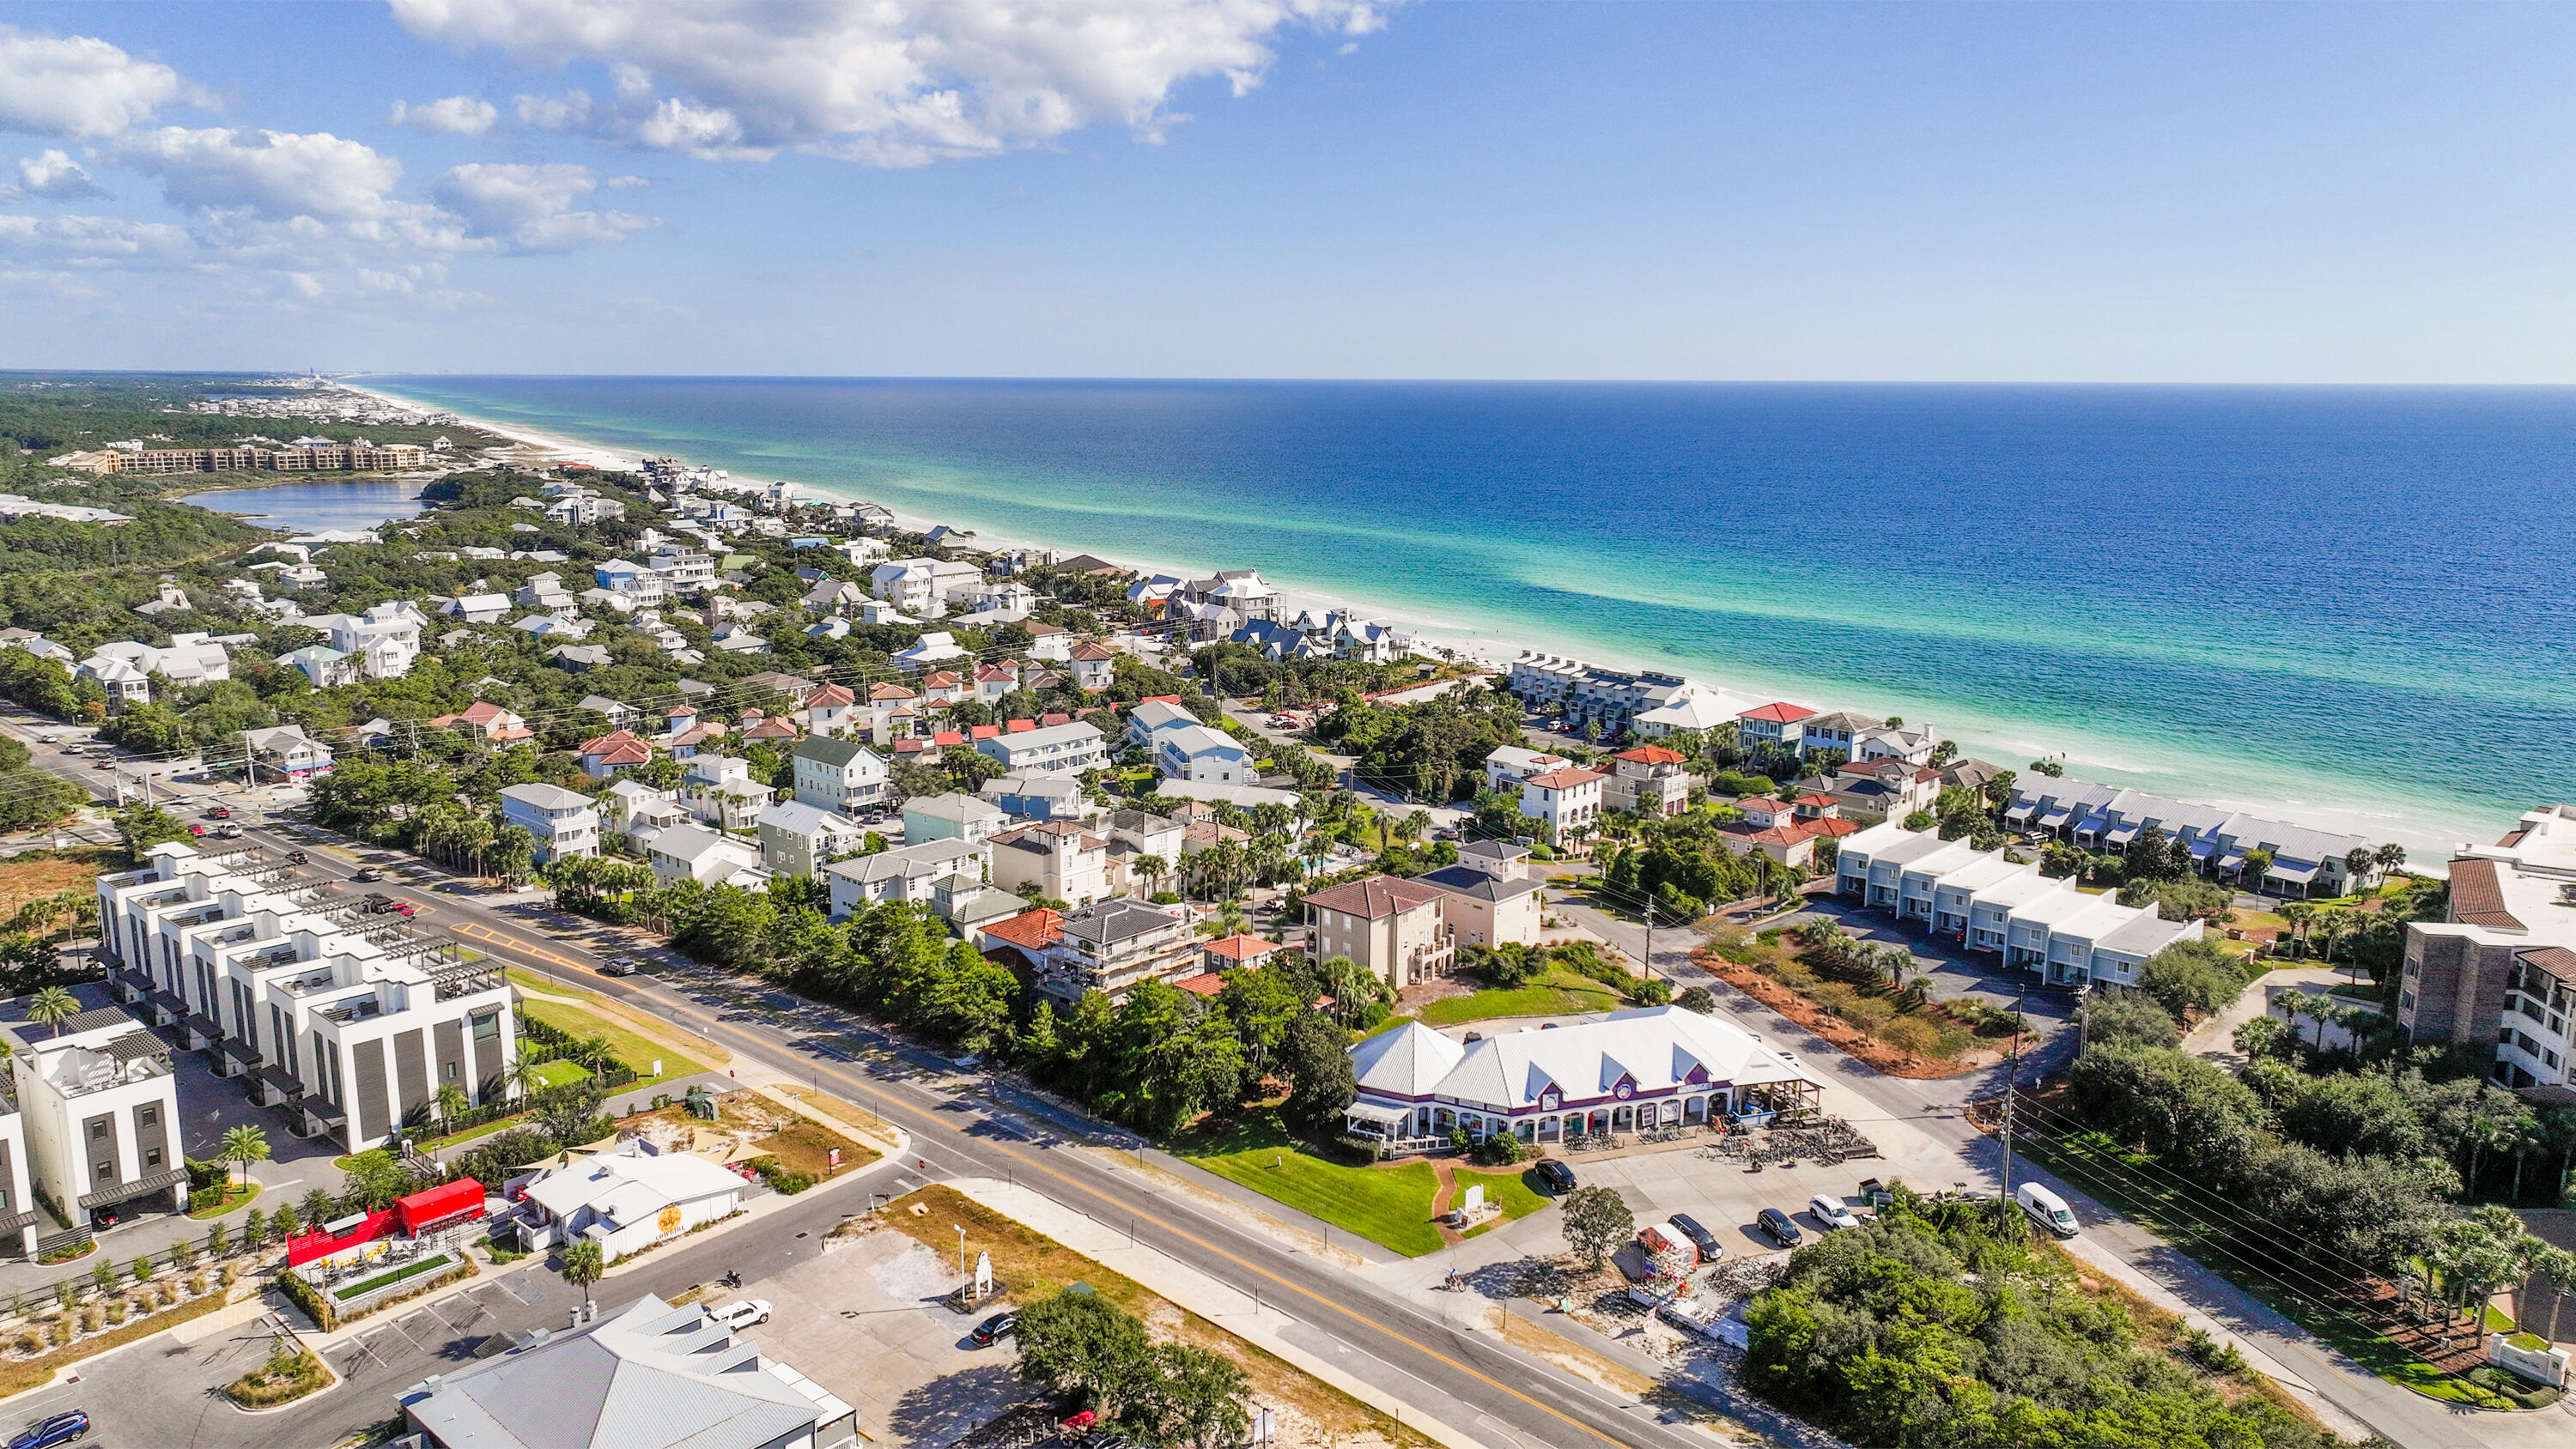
1384, 1116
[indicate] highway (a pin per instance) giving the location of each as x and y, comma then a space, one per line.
1470, 1381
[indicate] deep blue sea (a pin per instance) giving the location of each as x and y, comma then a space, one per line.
2352, 603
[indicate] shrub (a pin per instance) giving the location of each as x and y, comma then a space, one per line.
1869, 1013
1833, 997
1793, 974
1912, 1034
1696, 999
29, 1342
1652, 991
202, 1198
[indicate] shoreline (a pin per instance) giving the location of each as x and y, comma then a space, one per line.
1997, 737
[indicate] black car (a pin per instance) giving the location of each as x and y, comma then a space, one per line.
365, 876
992, 1329
295, 857
1553, 1175
1710, 1249
60, 1429
1776, 1226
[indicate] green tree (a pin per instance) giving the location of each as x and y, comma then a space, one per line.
1077, 1342
2128, 1020
2191, 977
581, 1265
1314, 1055
142, 827
1596, 1221
243, 1145
51, 1007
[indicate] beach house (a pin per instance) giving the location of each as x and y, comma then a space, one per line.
1067, 749
1648, 780
837, 774
1395, 929
1778, 723
1059, 859
562, 821
1196, 752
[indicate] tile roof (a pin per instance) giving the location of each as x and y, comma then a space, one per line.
1206, 983
1030, 930
1781, 712
1650, 755
1243, 948
2477, 896
1375, 898
1565, 779
2558, 961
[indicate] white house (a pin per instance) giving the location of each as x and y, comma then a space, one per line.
837, 774
637, 809
190, 659
904, 874
286, 751
1567, 799
563, 821
719, 790
630, 1199
1660, 1066
99, 1103
935, 647
1095, 666
1062, 749
478, 608
689, 852
1197, 752
920, 586
1060, 858
126, 684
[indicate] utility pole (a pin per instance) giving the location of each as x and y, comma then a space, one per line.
1650, 938
2012, 1078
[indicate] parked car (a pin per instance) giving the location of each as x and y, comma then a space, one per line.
992, 1329
1710, 1249
1777, 1226
63, 1428
2047, 1209
104, 765
1553, 1175
741, 1313
366, 876
1830, 1213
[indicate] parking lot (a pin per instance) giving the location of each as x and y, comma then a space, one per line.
1722, 1195
865, 1322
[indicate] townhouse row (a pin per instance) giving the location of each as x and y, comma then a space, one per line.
2296, 860
1987, 903
356, 1022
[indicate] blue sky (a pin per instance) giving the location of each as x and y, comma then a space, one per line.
1292, 188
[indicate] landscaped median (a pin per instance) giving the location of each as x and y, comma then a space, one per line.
1390, 1204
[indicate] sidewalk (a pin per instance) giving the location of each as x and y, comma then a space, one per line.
1262, 1324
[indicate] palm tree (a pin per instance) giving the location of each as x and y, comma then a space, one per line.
524, 1075
452, 1102
2388, 857
2299, 914
2357, 863
243, 1145
52, 1006
582, 1266
592, 1050
1151, 867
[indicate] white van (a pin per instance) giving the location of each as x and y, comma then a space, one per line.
2046, 1209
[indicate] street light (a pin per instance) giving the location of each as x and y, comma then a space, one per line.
961, 1250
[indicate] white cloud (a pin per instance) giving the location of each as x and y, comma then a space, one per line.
54, 176
274, 175
530, 208
889, 82
94, 241
78, 86
456, 116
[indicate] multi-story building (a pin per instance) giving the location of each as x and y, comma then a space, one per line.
355, 1021
838, 774
2501, 965
689, 852
21, 1218
2041, 924
683, 569
719, 790
1590, 695
1396, 929
98, 1105
798, 839
1062, 860
382, 643
1111, 946
340, 458
1777, 723
1648, 780
563, 821
287, 752
908, 874
1197, 752
1493, 898
2302, 862
951, 817
1151, 717
1065, 749
920, 586
1567, 800
1836, 730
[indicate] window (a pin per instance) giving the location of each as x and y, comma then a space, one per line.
451, 1066
98, 1132
105, 1170
152, 1157
147, 1117
487, 1028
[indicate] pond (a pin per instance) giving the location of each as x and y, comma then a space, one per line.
311, 506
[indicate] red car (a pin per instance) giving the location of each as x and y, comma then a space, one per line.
405, 908
220, 812
196, 830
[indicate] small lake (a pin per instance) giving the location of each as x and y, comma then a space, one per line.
308, 506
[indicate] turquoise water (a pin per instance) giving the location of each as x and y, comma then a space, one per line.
2351, 604
312, 507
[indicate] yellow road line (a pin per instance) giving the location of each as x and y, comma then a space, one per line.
712, 1024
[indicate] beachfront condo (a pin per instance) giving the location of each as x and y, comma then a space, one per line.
2502, 963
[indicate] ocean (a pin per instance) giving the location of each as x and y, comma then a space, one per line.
2351, 606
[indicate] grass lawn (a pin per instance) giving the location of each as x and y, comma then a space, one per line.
1509, 1191
628, 1047
1558, 992
559, 1073
1389, 1206
2085, 1160
234, 1196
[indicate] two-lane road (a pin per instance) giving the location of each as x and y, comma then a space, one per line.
1467, 1380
